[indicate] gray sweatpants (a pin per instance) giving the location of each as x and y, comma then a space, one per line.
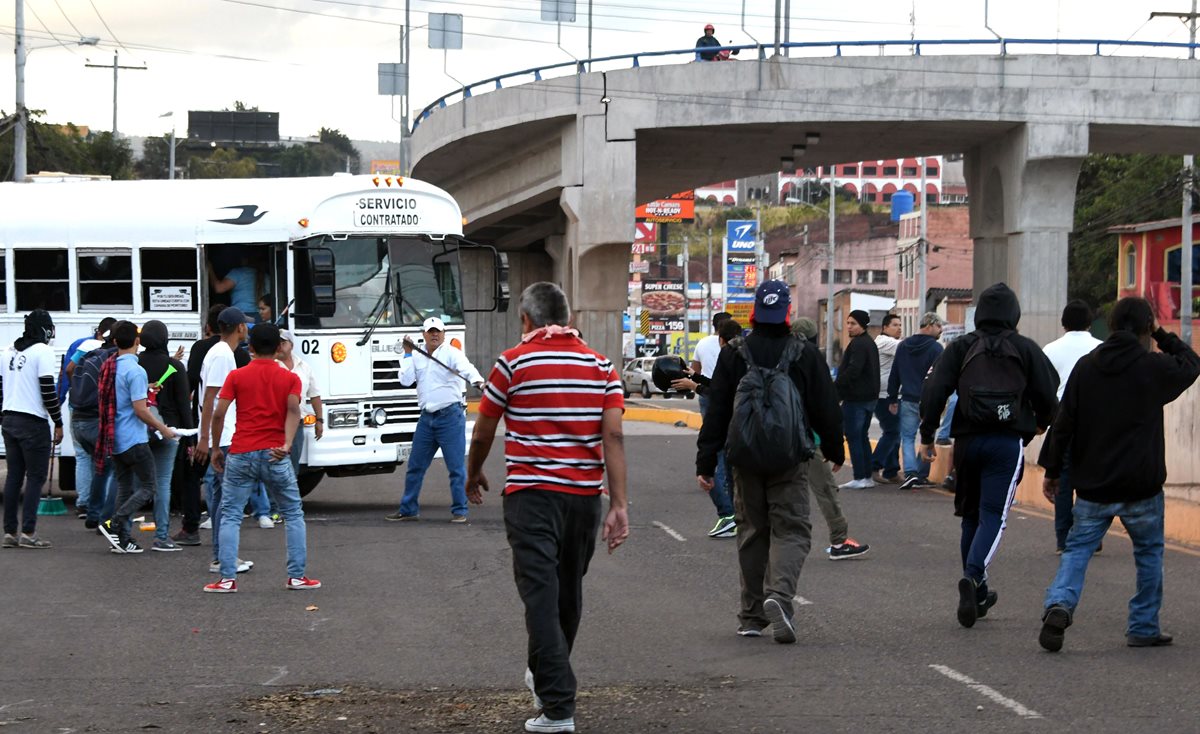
773, 538
824, 488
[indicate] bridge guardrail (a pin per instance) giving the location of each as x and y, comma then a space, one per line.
582, 66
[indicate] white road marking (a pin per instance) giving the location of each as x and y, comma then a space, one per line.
18, 703
1015, 706
279, 675
801, 601
669, 531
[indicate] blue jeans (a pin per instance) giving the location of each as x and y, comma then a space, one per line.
1064, 502
722, 492
214, 481
244, 473
943, 433
993, 462
1143, 520
164, 468
910, 423
260, 505
856, 415
886, 458
97, 494
445, 429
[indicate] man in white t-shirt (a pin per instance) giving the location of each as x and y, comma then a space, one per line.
218, 363
310, 395
30, 403
886, 459
1063, 353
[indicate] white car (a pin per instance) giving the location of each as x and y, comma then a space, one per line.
636, 377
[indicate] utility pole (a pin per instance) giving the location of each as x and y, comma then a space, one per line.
20, 162
922, 251
1191, 21
116, 68
687, 322
708, 299
1185, 256
829, 297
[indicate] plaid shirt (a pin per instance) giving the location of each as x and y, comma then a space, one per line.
107, 402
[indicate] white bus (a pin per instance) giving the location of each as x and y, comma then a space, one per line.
359, 262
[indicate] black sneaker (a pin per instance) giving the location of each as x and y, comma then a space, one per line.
126, 545
1055, 622
948, 482
183, 537
91, 524
848, 549
1162, 639
750, 630
781, 627
988, 601
726, 527
109, 533
968, 604
913, 482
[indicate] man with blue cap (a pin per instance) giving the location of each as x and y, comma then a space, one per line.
771, 501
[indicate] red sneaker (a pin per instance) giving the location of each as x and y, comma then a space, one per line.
224, 586
303, 583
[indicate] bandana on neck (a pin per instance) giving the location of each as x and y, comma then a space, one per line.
546, 332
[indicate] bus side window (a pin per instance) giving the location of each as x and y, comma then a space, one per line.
3, 281
170, 280
105, 280
39, 279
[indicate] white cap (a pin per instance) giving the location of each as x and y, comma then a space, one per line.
433, 322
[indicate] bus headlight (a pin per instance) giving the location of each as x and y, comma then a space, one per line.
378, 417
343, 419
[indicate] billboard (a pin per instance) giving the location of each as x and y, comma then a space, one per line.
741, 267
663, 298
679, 207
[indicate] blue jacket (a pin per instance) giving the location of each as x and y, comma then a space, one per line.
914, 357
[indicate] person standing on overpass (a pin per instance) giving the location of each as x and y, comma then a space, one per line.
707, 41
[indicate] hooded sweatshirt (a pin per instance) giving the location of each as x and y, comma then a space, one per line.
997, 311
1111, 417
172, 399
858, 374
914, 357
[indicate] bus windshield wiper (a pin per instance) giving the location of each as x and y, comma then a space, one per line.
377, 311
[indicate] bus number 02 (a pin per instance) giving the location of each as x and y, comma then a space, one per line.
310, 346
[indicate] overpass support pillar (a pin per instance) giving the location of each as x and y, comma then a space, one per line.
1022, 209
599, 230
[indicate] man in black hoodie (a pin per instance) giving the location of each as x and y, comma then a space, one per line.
770, 503
914, 357
988, 455
171, 399
1111, 422
858, 388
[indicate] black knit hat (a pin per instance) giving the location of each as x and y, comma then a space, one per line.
862, 317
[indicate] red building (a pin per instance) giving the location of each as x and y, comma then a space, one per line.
1148, 265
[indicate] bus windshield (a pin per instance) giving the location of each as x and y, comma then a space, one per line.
424, 279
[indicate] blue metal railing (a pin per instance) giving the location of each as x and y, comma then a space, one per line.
581, 66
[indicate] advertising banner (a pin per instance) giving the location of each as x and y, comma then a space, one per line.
663, 299
741, 267
679, 207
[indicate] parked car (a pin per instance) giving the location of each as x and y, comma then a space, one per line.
636, 377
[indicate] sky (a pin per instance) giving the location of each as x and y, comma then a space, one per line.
315, 61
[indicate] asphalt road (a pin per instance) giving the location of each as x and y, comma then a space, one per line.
418, 627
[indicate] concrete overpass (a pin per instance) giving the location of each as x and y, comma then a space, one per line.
551, 170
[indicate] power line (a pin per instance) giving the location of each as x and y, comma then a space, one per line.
8, 31
105, 24
43, 25
64, 15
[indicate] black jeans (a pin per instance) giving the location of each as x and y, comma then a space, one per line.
553, 536
192, 476
27, 444
134, 461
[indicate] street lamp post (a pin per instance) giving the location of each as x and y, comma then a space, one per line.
171, 154
20, 132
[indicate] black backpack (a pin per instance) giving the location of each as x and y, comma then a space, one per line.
991, 383
85, 382
769, 428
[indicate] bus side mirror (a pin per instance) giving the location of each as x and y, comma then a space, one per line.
324, 286
502, 291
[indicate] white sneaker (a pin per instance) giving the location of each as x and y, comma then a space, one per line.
542, 724
266, 523
537, 701
207, 524
866, 483
852, 484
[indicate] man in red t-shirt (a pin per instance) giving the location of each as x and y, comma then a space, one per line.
562, 405
268, 412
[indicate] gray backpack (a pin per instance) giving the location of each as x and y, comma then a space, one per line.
769, 429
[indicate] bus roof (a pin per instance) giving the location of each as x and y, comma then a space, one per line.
214, 211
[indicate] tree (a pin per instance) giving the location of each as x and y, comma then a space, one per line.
1112, 190
223, 163
341, 144
109, 156
48, 148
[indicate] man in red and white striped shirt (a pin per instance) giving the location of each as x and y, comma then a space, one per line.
562, 405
